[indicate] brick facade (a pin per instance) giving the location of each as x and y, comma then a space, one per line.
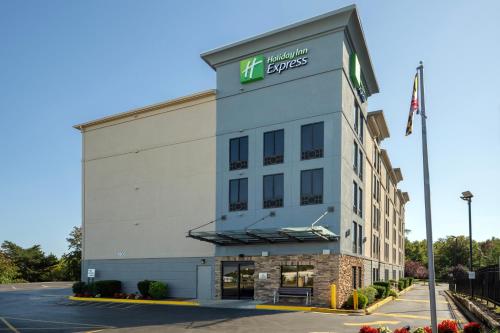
328, 269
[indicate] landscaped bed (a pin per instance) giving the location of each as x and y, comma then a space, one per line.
446, 326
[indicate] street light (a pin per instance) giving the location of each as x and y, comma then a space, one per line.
467, 196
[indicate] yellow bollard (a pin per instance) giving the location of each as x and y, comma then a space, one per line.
333, 296
355, 299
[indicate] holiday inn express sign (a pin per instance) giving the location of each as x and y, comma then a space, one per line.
252, 69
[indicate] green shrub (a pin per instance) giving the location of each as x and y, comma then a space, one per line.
158, 290
362, 302
107, 288
384, 284
401, 285
143, 287
369, 292
393, 293
411, 280
380, 291
407, 282
90, 288
79, 287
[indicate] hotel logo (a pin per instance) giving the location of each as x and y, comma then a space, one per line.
252, 69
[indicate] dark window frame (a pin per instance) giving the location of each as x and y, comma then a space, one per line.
297, 275
316, 150
239, 205
314, 198
276, 157
276, 201
238, 163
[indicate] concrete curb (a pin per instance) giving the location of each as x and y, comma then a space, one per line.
304, 309
404, 291
377, 305
472, 311
132, 301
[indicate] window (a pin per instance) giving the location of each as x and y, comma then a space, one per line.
386, 252
360, 202
356, 118
274, 147
297, 276
311, 187
394, 255
376, 247
356, 277
354, 197
376, 218
386, 275
354, 237
238, 153
312, 141
273, 191
394, 274
376, 274
360, 240
394, 236
355, 157
238, 194
361, 127
360, 171
386, 229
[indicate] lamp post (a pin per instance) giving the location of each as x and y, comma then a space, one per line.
467, 196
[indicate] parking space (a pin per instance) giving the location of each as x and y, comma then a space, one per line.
42, 310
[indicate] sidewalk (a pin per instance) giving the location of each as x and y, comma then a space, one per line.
413, 308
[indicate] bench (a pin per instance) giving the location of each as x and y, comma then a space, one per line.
293, 292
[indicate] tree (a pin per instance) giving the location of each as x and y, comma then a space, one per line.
32, 262
415, 269
8, 270
416, 251
73, 259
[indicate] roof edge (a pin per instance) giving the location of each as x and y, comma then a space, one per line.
378, 125
152, 107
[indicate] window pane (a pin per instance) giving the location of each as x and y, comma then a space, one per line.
306, 275
233, 150
318, 182
233, 191
278, 186
268, 187
355, 155
360, 240
244, 148
318, 135
243, 190
279, 142
306, 137
268, 144
289, 276
354, 196
305, 183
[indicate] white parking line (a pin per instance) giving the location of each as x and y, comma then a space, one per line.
12, 328
13, 287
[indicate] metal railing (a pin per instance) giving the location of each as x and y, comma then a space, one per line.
486, 284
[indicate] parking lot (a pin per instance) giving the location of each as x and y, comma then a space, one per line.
37, 308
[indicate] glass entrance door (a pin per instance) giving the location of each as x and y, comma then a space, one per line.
237, 279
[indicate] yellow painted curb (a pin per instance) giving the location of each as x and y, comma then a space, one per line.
402, 292
375, 306
133, 301
283, 307
303, 308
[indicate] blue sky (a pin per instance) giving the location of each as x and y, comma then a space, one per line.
65, 62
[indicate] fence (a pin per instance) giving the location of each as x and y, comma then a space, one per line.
486, 284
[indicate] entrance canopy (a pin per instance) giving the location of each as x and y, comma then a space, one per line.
270, 235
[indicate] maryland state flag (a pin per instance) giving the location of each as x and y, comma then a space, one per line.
413, 106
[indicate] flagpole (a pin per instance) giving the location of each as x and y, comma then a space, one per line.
427, 192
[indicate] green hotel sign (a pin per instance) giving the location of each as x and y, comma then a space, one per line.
252, 69
355, 76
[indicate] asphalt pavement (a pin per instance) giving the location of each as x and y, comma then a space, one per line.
35, 308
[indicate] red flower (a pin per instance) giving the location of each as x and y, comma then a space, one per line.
368, 329
448, 326
472, 327
401, 330
427, 329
